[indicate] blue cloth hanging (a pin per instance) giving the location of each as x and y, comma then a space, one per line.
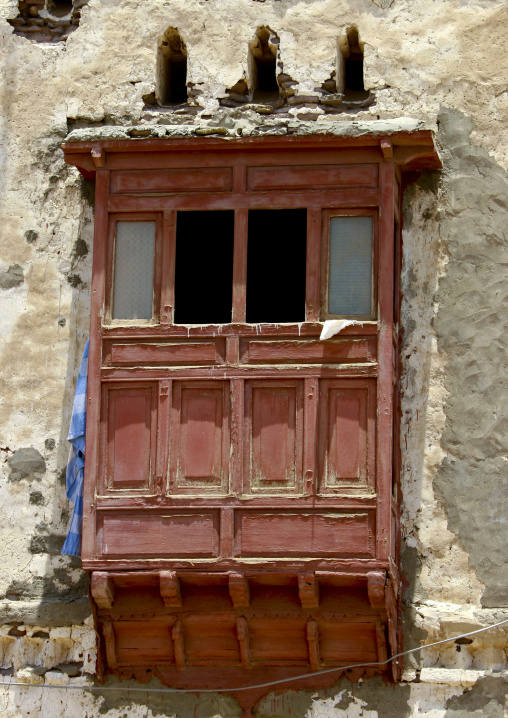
76, 465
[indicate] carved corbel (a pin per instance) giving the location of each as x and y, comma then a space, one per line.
376, 581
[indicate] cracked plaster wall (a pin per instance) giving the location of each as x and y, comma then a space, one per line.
440, 62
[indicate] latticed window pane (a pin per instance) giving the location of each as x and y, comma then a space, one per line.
350, 266
134, 264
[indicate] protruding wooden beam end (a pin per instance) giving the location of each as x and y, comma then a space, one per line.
239, 590
103, 589
376, 582
170, 589
308, 589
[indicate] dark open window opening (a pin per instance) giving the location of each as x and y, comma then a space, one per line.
263, 68
276, 265
59, 8
171, 69
204, 267
352, 54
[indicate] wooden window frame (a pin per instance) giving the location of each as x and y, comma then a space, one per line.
354, 526
327, 216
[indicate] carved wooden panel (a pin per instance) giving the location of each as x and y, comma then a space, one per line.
200, 437
346, 435
164, 353
273, 436
129, 417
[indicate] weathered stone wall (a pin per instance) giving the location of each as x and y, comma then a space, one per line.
441, 62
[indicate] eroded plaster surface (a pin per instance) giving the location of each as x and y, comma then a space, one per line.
434, 63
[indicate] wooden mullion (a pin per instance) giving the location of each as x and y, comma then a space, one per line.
385, 353
93, 401
237, 435
311, 400
313, 264
167, 302
164, 403
240, 266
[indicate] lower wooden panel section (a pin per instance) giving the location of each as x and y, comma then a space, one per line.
306, 533
191, 534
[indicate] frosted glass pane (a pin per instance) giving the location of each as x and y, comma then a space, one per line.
133, 278
350, 272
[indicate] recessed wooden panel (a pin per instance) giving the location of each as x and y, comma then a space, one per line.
129, 415
317, 177
347, 642
277, 639
308, 533
165, 353
218, 179
184, 534
331, 351
274, 430
212, 641
141, 643
200, 437
346, 435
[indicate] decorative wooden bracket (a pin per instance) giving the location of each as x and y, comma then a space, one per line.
103, 589
170, 589
376, 581
308, 589
239, 590
242, 630
313, 643
387, 148
177, 636
98, 156
109, 640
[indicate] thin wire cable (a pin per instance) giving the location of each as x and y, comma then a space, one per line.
131, 689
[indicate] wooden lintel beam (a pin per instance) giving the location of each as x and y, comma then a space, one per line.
313, 644
239, 590
308, 589
98, 156
178, 644
376, 581
242, 630
170, 589
103, 589
109, 640
387, 148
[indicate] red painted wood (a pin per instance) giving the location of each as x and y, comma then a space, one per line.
303, 534
200, 437
317, 177
131, 428
94, 361
385, 383
347, 435
247, 421
171, 180
332, 351
169, 353
177, 534
260, 200
273, 437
